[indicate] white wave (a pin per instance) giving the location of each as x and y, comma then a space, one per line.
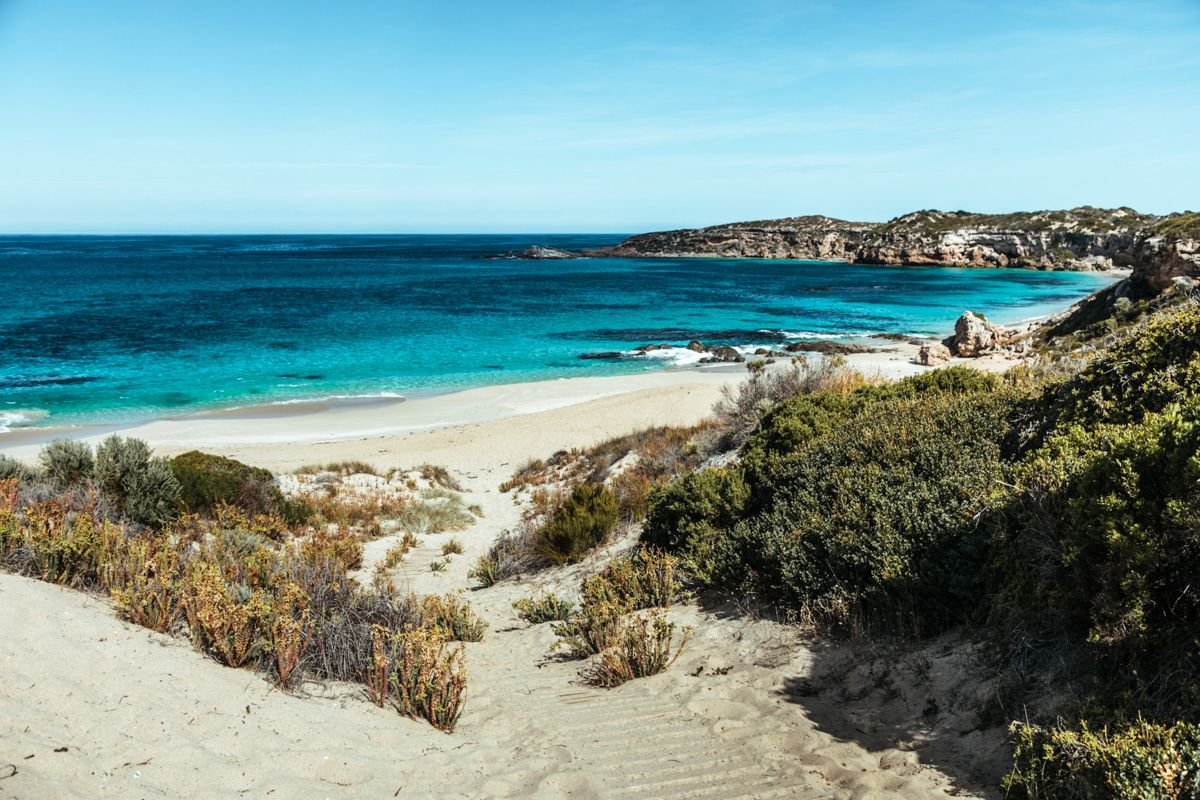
329, 397
678, 356
21, 418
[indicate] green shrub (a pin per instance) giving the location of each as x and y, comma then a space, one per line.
689, 515
1153, 365
1099, 546
878, 516
798, 421
1141, 761
579, 525
142, 488
207, 481
66, 462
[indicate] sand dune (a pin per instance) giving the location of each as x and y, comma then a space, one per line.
143, 715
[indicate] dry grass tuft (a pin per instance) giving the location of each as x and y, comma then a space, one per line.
421, 676
451, 614
644, 645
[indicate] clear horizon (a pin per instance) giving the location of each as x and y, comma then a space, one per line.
139, 118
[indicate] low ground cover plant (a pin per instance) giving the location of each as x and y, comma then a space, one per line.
245, 589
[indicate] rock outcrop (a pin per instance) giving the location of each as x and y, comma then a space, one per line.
933, 354
1083, 238
973, 336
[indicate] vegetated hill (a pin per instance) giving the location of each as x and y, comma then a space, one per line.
1082, 238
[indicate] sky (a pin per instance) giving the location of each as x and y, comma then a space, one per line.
157, 116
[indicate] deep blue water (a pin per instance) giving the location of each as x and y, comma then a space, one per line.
126, 328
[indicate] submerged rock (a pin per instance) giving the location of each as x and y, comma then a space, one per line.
829, 348
537, 253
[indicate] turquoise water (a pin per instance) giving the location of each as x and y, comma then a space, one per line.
128, 328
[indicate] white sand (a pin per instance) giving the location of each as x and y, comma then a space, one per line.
142, 715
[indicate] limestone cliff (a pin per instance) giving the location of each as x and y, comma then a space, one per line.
1156, 248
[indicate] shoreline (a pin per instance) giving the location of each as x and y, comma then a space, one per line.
565, 412
339, 425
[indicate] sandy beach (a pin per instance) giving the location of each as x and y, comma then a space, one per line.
95, 707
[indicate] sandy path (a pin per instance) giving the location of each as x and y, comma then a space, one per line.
143, 715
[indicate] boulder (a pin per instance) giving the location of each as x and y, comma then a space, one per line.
933, 354
973, 335
696, 347
725, 354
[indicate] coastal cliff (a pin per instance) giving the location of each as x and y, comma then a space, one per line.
1156, 248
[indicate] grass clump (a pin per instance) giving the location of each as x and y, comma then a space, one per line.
452, 548
439, 476
544, 607
579, 525
340, 468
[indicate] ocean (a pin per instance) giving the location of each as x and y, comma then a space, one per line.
127, 328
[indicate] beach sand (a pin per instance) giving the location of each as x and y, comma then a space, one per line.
91, 706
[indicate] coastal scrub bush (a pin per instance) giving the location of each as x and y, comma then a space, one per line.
228, 624
335, 544
11, 468
1142, 760
579, 525
645, 580
644, 645
66, 462
1099, 542
594, 628
876, 518
1155, 364
544, 607
141, 488
689, 515
206, 481
741, 409
148, 592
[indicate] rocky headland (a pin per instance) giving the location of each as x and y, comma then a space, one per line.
1156, 248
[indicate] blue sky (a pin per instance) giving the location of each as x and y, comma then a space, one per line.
161, 116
